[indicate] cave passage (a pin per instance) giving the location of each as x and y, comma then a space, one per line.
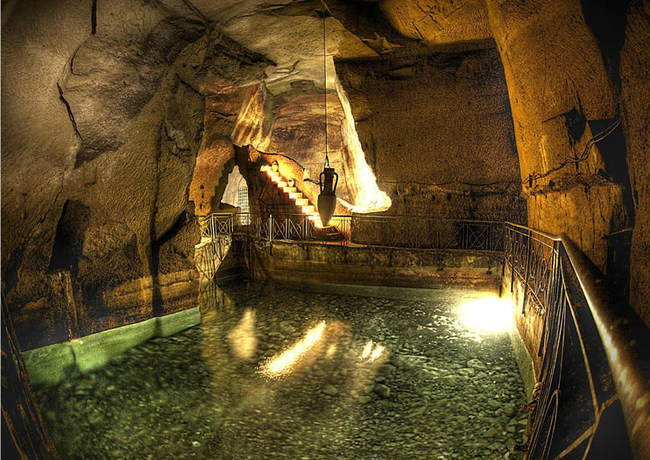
278, 372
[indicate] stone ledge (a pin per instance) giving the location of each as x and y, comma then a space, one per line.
53, 363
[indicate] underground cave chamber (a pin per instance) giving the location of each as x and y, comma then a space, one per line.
171, 289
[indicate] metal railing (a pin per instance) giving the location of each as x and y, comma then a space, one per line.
595, 375
532, 256
421, 232
394, 231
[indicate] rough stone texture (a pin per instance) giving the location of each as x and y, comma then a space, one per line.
39, 142
558, 213
125, 92
438, 133
376, 266
105, 106
438, 22
635, 98
292, 126
562, 94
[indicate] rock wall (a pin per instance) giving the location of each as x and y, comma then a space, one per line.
635, 107
439, 22
573, 69
438, 133
574, 152
103, 113
375, 266
577, 80
293, 126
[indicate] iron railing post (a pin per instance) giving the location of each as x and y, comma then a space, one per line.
528, 256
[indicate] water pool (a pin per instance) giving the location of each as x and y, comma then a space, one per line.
279, 372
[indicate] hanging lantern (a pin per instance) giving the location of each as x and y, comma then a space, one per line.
327, 197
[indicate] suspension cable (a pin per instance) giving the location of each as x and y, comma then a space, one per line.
327, 160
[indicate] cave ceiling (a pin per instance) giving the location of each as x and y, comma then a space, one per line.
289, 33
104, 102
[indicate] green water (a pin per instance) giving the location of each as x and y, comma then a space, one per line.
391, 373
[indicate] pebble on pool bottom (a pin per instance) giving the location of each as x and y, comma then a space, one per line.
276, 372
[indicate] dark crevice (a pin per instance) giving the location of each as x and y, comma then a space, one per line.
74, 55
93, 18
70, 114
69, 237
607, 20
189, 86
10, 271
196, 11
154, 246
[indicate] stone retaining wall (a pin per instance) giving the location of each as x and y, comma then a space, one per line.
375, 265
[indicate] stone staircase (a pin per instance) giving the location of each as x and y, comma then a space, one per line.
307, 208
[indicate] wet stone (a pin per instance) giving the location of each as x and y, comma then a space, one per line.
330, 390
386, 377
382, 390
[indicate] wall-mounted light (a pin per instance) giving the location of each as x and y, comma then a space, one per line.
275, 166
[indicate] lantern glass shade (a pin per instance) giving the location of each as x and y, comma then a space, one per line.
275, 166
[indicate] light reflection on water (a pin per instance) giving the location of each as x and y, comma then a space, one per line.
276, 372
287, 384
269, 376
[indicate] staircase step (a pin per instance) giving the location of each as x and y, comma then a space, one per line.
282, 184
302, 202
295, 195
288, 189
308, 209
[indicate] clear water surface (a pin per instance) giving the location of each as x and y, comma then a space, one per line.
280, 372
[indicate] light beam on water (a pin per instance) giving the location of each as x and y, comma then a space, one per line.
487, 315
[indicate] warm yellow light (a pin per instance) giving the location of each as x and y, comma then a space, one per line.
242, 338
284, 363
366, 350
379, 349
372, 351
367, 195
489, 314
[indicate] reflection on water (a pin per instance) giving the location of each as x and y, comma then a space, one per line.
302, 352
274, 372
242, 338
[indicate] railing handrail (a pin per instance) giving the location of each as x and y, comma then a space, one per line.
626, 340
378, 217
413, 216
550, 236
623, 334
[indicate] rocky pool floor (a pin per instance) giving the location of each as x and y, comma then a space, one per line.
278, 372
